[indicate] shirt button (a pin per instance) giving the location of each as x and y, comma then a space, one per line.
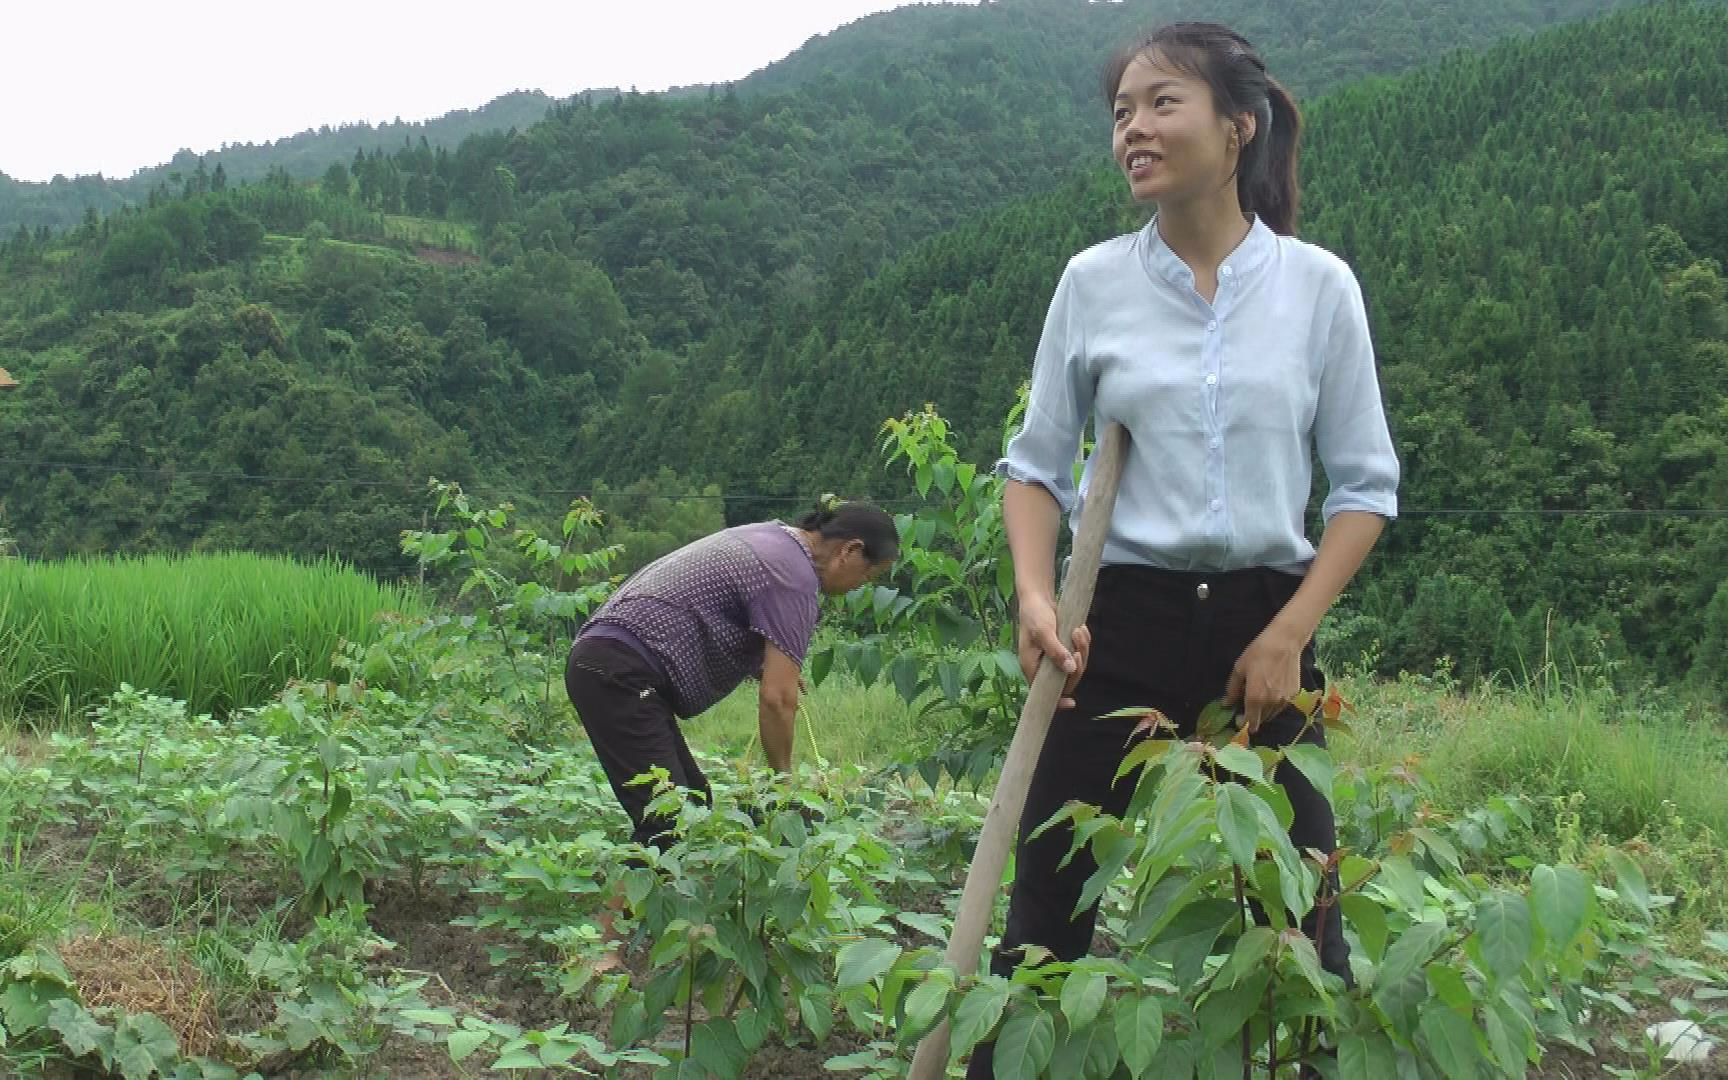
1211, 380
1214, 442
1213, 325
1217, 504
1226, 271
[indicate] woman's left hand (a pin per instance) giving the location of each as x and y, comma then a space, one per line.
1266, 676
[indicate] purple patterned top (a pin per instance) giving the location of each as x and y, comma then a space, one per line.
702, 612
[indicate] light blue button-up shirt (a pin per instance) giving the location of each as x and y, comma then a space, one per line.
1226, 403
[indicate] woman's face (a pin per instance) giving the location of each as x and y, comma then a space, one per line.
849, 567
1169, 140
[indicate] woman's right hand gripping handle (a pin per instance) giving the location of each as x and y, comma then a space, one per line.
1031, 517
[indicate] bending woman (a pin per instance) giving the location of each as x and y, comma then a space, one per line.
687, 629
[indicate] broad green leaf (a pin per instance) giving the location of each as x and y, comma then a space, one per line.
1004, 577
142, 1044
1398, 874
1268, 881
867, 664
1315, 763
1413, 948
1301, 955
882, 600
715, 1044
821, 663
1241, 761
948, 678
862, 961
1561, 899
1139, 1030
341, 799
1187, 941
1368, 919
1082, 996
1451, 1042
817, 1012
1503, 928
1222, 1014
925, 1003
1438, 846
1248, 956
1450, 988
430, 1017
1503, 1043
942, 473
1215, 719
638, 883
464, 1043
1369, 1057
1239, 824
1026, 1044
1087, 1054
519, 1058
905, 672
923, 922
25, 1005
81, 1032
1629, 881
752, 1028
978, 1012
788, 904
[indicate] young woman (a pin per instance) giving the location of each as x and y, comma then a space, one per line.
687, 629
1228, 348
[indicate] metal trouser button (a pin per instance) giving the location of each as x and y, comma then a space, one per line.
1203, 590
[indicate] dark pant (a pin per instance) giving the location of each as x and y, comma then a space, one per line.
621, 700
1167, 640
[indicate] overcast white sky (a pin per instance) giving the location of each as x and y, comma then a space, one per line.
112, 86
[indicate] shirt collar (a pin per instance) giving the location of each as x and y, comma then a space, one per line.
1249, 256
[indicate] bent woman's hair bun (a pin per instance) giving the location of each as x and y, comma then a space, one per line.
816, 519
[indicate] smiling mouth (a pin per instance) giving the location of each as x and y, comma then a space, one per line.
1141, 160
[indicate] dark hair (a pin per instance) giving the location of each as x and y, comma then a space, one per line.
857, 521
1266, 181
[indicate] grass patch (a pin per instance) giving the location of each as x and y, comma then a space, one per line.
840, 722
446, 235
216, 631
1635, 765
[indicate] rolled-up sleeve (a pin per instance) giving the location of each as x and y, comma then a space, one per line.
1046, 447
1351, 437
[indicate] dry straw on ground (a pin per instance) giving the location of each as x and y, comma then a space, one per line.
137, 976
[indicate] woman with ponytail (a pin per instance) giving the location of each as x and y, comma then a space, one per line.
1233, 353
684, 631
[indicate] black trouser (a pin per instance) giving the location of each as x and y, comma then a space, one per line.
621, 701
1167, 640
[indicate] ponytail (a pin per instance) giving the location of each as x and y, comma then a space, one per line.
1266, 183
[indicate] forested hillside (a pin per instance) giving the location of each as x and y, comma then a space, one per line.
736, 288
1540, 232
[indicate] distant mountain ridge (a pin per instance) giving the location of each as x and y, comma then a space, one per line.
60, 203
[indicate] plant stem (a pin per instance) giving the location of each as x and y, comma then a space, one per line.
1271, 1027
689, 997
1242, 913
